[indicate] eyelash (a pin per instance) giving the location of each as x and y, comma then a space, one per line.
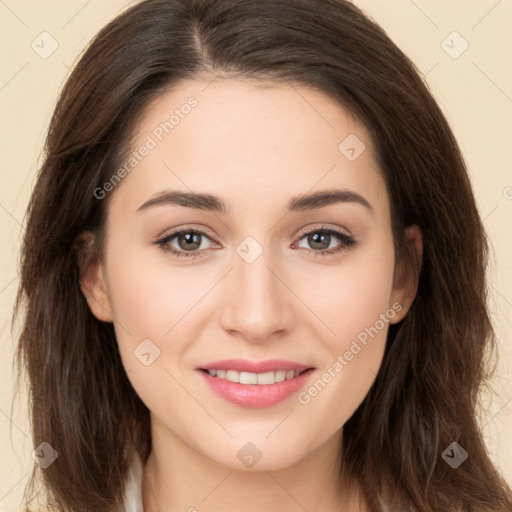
347, 242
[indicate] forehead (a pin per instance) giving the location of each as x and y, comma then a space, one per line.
250, 143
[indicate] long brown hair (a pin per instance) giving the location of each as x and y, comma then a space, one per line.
425, 395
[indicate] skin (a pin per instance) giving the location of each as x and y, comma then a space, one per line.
255, 147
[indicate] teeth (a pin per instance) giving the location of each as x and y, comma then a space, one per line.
255, 378
244, 377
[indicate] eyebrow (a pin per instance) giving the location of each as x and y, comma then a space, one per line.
208, 202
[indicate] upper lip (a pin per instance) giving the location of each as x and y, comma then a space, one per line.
244, 365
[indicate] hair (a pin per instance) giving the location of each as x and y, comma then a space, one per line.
426, 394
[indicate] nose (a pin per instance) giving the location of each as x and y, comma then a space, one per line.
257, 304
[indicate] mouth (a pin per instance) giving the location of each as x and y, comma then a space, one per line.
255, 384
260, 379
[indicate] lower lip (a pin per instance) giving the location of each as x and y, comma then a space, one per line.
256, 395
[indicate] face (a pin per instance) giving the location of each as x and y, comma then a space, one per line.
288, 257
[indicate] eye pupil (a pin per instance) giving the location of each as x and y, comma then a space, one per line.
321, 239
193, 241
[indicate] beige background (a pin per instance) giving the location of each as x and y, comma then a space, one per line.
474, 90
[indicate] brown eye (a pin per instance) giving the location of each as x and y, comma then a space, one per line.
189, 241
325, 241
184, 242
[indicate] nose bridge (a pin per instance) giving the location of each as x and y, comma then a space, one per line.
255, 303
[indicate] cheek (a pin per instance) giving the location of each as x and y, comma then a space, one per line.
351, 296
149, 298
355, 310
151, 303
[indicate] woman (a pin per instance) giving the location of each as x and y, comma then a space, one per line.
254, 272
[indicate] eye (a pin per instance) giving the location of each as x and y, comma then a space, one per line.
322, 241
192, 243
184, 243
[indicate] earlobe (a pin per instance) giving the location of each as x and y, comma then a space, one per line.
406, 278
92, 280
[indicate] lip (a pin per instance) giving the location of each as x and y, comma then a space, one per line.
244, 365
255, 395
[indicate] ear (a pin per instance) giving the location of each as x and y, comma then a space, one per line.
92, 281
406, 277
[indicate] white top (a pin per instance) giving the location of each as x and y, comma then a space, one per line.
133, 490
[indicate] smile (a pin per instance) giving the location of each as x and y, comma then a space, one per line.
255, 378
255, 390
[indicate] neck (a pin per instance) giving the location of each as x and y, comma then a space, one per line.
177, 477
